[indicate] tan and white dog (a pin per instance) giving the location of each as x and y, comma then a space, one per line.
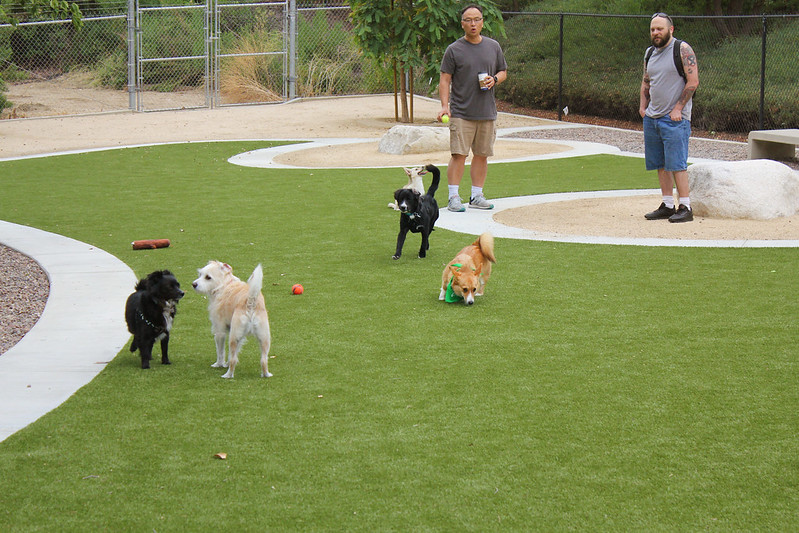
467, 274
236, 310
415, 183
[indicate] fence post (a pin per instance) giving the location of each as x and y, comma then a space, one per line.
132, 54
292, 49
762, 118
560, 71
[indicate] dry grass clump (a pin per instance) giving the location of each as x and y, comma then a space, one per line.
252, 78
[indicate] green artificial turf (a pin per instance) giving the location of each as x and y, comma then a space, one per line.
592, 387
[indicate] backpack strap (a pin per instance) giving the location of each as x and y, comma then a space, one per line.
677, 58
648, 54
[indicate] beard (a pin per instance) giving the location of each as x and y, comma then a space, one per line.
663, 42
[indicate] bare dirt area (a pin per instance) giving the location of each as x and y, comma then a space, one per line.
75, 94
624, 217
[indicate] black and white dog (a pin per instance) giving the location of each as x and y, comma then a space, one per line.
149, 313
419, 213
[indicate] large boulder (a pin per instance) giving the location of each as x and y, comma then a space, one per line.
401, 140
758, 189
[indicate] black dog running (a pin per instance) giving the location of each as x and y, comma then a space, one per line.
419, 213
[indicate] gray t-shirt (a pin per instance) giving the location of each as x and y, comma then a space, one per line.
464, 60
665, 84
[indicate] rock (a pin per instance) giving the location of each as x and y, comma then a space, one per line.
401, 140
758, 189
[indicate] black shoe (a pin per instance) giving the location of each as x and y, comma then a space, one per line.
660, 213
683, 214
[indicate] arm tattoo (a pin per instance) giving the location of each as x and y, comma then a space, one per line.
686, 95
688, 58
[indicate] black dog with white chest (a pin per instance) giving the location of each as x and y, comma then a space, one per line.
149, 313
419, 213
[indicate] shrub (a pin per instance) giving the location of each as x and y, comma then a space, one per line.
603, 63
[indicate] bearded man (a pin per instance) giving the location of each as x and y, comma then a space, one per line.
665, 105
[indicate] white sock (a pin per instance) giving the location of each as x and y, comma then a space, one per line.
685, 201
669, 201
476, 191
453, 190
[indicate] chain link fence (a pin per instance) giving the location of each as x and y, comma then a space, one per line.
217, 54
593, 64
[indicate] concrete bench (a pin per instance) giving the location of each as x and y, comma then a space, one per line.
773, 144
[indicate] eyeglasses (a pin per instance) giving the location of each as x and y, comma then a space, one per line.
472, 21
663, 15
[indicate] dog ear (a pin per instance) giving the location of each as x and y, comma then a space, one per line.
226, 268
456, 271
408, 171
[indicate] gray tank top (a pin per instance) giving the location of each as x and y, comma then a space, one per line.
665, 84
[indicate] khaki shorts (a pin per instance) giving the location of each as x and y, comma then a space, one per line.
479, 135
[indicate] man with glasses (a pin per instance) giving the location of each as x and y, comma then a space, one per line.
665, 106
472, 66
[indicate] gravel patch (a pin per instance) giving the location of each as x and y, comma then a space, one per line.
633, 141
23, 294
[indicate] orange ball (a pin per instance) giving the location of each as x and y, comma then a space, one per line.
297, 289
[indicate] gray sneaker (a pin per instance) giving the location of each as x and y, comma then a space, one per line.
480, 202
456, 205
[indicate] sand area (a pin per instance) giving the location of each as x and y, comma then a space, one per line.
361, 117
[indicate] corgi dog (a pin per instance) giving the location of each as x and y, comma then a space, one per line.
415, 182
467, 274
236, 310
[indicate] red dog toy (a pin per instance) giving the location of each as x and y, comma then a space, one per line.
150, 244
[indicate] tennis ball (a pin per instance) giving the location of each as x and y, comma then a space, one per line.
297, 289
445, 119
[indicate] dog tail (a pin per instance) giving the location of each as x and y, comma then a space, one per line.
486, 244
436, 177
254, 283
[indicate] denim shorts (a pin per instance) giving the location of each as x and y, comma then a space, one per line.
666, 143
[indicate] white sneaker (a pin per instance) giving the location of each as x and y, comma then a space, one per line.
456, 205
480, 202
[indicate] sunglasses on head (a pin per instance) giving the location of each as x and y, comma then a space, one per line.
663, 15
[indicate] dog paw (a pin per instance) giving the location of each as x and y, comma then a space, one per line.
266, 375
442, 295
227, 375
395, 257
219, 365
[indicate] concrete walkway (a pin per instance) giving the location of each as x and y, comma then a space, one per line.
81, 329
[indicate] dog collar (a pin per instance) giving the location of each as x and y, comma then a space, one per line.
412, 215
450, 296
156, 328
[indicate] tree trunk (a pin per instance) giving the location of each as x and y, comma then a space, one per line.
733, 27
404, 95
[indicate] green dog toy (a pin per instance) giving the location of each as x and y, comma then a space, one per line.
450, 296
